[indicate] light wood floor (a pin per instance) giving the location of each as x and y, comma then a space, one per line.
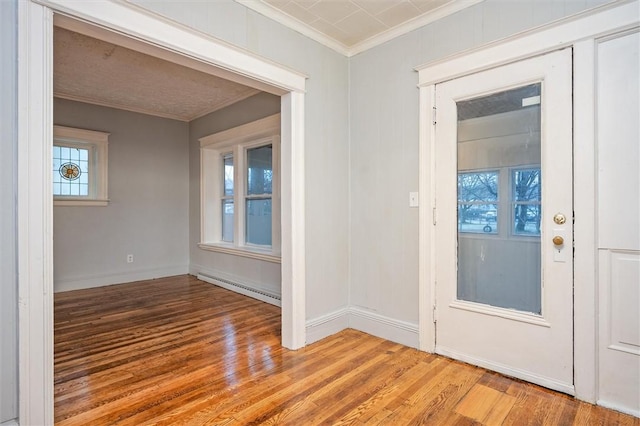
180, 351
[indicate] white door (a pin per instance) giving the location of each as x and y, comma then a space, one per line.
504, 241
618, 154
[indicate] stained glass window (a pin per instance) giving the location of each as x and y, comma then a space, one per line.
70, 171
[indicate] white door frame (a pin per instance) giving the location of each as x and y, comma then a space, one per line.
35, 201
578, 32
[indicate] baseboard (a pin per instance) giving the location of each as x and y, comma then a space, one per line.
99, 280
248, 287
508, 371
10, 423
326, 325
360, 319
402, 332
618, 407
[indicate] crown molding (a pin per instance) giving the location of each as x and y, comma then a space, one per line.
410, 25
288, 21
294, 24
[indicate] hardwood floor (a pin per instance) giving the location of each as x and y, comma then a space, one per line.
180, 351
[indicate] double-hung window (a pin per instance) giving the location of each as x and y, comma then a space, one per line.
240, 190
79, 167
504, 201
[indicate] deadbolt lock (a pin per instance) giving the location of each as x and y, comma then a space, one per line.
559, 218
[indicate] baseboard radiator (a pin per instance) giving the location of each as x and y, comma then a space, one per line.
238, 287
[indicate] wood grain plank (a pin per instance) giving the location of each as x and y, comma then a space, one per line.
177, 350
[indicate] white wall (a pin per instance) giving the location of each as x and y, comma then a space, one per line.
147, 215
251, 272
384, 144
8, 181
326, 132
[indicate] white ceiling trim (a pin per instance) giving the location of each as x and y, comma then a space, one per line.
376, 40
410, 25
294, 24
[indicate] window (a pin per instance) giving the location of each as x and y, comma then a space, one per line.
478, 202
240, 190
79, 167
486, 197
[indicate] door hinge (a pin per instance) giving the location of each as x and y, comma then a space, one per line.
435, 316
434, 216
434, 116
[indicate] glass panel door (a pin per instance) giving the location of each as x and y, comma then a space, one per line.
499, 199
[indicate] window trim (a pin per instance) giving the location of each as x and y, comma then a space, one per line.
97, 143
213, 147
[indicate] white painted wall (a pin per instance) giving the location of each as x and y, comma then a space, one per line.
8, 255
326, 133
251, 272
384, 144
147, 215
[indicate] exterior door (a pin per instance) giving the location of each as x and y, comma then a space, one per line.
504, 241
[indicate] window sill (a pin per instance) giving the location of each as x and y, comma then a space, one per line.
250, 252
70, 202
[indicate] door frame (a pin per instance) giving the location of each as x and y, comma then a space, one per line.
579, 32
127, 23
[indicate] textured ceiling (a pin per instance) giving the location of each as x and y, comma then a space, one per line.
350, 22
97, 72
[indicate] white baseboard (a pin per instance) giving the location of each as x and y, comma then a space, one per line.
384, 327
99, 280
362, 320
253, 289
508, 371
618, 407
326, 325
10, 423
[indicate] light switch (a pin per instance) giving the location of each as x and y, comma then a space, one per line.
413, 199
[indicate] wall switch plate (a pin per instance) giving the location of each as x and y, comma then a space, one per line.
413, 199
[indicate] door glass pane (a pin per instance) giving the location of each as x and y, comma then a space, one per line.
499, 199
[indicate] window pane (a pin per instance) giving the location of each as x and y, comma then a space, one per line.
70, 171
526, 185
526, 195
478, 218
526, 219
258, 218
228, 174
480, 186
259, 170
227, 220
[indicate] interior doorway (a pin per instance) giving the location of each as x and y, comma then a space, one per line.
154, 36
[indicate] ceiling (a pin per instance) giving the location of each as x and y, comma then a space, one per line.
94, 71
351, 26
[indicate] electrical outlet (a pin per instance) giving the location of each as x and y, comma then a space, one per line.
129, 258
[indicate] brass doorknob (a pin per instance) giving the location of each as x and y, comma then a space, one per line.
558, 240
559, 218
